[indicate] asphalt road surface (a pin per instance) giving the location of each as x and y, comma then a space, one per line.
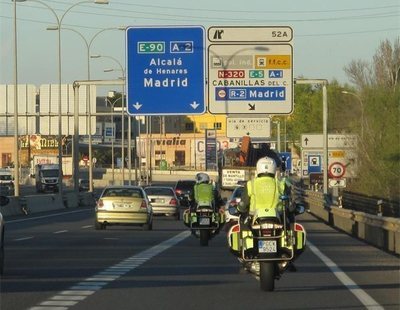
58, 261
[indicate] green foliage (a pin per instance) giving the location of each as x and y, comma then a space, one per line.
379, 150
370, 109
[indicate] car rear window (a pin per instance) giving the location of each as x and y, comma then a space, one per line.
238, 192
159, 191
185, 185
123, 192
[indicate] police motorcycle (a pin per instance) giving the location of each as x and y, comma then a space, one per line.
267, 243
204, 218
204, 221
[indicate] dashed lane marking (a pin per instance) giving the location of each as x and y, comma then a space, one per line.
80, 291
362, 296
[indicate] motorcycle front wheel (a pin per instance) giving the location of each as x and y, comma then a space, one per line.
204, 237
267, 276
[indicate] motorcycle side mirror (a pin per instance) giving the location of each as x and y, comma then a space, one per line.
300, 209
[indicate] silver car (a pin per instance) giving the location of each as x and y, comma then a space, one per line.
163, 200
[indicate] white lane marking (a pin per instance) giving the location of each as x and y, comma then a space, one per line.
96, 282
48, 308
24, 238
60, 232
87, 226
111, 238
82, 293
64, 297
61, 303
46, 216
362, 296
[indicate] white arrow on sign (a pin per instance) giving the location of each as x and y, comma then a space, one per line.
194, 105
137, 105
337, 183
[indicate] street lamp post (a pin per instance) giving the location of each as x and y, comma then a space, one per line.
16, 142
278, 135
122, 112
362, 109
112, 104
59, 23
88, 45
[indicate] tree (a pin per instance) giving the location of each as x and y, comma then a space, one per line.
377, 85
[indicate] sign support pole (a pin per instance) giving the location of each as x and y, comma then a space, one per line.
324, 83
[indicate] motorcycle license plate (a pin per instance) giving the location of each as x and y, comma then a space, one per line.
204, 221
267, 246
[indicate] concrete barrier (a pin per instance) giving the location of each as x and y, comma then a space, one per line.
12, 208
342, 219
382, 232
86, 199
43, 203
71, 200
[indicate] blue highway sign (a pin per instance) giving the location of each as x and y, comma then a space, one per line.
165, 70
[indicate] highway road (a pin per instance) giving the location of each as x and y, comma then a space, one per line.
58, 261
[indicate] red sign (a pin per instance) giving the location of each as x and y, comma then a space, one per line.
336, 170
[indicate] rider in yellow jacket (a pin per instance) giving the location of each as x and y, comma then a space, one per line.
262, 192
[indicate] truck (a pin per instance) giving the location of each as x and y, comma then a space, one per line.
238, 165
6, 182
52, 159
47, 177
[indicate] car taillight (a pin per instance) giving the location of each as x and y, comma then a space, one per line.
173, 202
143, 205
100, 204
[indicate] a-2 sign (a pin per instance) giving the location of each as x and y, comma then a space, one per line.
336, 170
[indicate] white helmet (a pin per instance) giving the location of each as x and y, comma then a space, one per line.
202, 178
266, 165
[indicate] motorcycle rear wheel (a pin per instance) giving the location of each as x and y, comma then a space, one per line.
267, 276
204, 237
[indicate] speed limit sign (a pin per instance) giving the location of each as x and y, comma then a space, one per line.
336, 170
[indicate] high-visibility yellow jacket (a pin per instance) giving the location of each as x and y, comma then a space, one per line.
262, 193
203, 193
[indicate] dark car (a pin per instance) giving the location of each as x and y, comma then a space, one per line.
83, 185
183, 190
3, 201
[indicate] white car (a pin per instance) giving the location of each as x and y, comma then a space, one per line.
233, 200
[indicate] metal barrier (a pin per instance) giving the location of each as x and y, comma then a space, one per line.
378, 230
371, 205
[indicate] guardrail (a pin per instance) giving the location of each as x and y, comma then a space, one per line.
380, 231
370, 204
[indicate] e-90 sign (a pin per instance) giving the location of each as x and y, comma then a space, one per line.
151, 47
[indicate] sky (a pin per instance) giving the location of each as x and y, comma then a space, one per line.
328, 35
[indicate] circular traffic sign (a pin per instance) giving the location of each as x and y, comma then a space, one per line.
336, 170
